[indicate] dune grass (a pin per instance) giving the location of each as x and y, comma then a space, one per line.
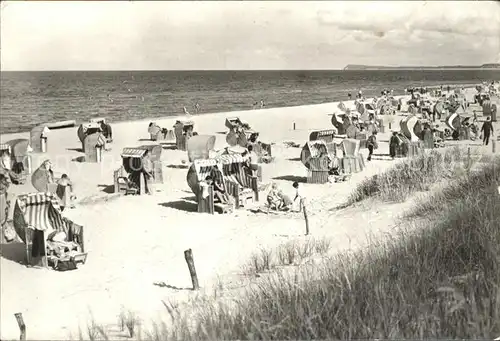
441, 281
439, 277
413, 175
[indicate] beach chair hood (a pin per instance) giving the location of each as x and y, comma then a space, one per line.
20, 149
312, 149
199, 147
351, 147
453, 121
40, 211
40, 178
411, 127
88, 128
96, 139
132, 159
231, 166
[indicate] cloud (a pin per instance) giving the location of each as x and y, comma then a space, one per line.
245, 35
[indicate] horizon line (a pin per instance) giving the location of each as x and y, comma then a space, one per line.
368, 68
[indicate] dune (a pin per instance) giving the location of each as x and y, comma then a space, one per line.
136, 243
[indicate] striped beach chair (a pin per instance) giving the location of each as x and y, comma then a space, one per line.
240, 185
36, 217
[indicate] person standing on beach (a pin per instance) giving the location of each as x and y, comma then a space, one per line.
253, 161
487, 130
393, 144
147, 170
371, 144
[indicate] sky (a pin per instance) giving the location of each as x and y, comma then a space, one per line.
246, 35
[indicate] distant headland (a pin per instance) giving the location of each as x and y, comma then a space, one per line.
451, 67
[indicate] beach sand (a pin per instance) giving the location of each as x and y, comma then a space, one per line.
134, 242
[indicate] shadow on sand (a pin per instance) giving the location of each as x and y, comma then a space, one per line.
14, 251
79, 159
293, 178
168, 146
80, 150
181, 205
110, 189
178, 166
168, 286
294, 159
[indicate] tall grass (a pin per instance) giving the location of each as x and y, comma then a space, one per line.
439, 277
412, 175
442, 281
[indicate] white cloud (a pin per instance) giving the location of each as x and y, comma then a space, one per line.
246, 35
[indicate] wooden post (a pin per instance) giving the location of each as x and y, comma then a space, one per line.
188, 255
293, 125
468, 160
305, 217
493, 145
389, 125
22, 326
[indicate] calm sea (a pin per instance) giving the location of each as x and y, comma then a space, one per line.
32, 98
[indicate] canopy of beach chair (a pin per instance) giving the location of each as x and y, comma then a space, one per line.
351, 147
36, 135
233, 138
199, 147
98, 120
40, 178
341, 122
88, 128
132, 159
231, 166
94, 140
313, 149
20, 148
154, 150
411, 127
41, 211
154, 129
453, 121
232, 122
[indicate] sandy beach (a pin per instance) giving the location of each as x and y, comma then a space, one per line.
136, 241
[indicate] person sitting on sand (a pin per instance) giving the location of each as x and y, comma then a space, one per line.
285, 200
274, 200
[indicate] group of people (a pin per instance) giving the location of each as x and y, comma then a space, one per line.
279, 201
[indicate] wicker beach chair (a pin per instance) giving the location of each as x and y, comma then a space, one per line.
240, 185
199, 147
39, 138
36, 217
325, 135
93, 146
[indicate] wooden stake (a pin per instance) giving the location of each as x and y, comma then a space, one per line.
305, 217
293, 125
22, 326
468, 160
188, 255
493, 145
